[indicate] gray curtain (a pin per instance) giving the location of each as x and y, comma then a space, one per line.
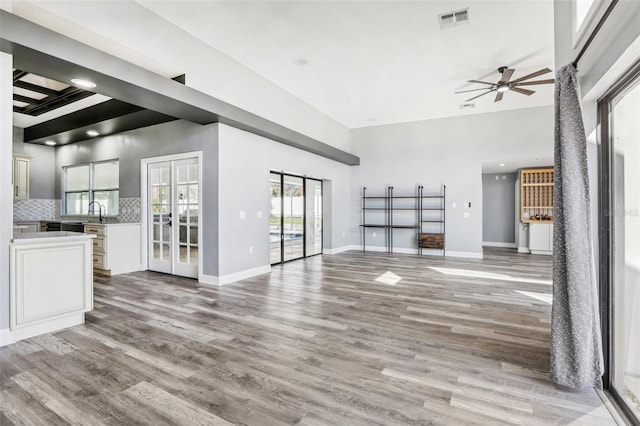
576, 346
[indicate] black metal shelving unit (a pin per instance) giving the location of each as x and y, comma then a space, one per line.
435, 217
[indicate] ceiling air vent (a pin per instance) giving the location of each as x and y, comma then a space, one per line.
465, 106
451, 19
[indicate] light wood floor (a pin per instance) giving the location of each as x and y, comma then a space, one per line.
316, 342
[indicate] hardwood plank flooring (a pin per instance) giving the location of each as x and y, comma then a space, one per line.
320, 341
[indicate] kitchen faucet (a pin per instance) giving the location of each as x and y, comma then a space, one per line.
99, 209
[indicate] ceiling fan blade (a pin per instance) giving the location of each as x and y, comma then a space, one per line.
481, 82
506, 75
530, 83
523, 91
499, 96
533, 74
482, 94
471, 90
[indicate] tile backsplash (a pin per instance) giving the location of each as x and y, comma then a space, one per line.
39, 209
35, 209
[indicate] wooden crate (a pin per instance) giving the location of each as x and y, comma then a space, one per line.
433, 241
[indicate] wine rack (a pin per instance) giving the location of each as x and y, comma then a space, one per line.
536, 195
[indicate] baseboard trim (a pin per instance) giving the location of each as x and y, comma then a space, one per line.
6, 337
497, 244
464, 254
212, 280
543, 252
524, 250
49, 326
205, 279
428, 252
341, 249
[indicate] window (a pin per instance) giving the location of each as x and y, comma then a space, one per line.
92, 182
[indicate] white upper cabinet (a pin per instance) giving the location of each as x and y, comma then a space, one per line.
20, 177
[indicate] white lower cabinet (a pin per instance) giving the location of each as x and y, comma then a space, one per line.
116, 247
541, 238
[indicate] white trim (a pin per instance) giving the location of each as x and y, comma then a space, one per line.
341, 249
6, 337
144, 162
205, 279
425, 252
543, 252
594, 14
524, 250
496, 244
236, 276
465, 254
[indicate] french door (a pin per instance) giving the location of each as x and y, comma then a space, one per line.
173, 207
619, 112
295, 220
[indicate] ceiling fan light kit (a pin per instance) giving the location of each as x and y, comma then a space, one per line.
505, 84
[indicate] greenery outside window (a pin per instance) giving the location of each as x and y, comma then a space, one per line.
92, 182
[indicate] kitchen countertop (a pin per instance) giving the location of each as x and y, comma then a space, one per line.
35, 237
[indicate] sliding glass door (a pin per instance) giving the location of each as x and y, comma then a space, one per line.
620, 121
295, 220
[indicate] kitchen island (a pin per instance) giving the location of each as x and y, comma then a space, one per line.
51, 282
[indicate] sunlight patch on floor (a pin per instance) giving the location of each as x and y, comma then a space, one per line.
388, 278
488, 275
543, 297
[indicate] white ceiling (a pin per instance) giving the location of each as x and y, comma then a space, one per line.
378, 62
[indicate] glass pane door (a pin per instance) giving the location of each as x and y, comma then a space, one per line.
159, 216
275, 218
313, 219
187, 208
173, 216
293, 217
625, 138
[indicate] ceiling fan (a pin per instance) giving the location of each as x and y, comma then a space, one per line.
505, 84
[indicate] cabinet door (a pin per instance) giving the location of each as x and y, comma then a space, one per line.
539, 236
21, 178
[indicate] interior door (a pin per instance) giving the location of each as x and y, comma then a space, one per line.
159, 217
173, 217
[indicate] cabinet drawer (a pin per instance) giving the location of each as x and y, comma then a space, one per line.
98, 261
93, 229
98, 245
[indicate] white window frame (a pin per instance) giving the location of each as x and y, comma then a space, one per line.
581, 31
91, 189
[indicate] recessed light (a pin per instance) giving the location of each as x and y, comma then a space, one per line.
501, 165
83, 83
50, 143
93, 133
300, 61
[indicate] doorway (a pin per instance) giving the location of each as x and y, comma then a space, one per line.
172, 215
295, 220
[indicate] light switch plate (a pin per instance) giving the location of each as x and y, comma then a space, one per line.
466, 215
243, 215
259, 214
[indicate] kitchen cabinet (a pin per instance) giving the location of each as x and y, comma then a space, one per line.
116, 247
20, 177
541, 238
51, 285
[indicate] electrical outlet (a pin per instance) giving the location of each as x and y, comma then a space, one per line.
259, 214
243, 215
373, 235
344, 235
250, 249
453, 205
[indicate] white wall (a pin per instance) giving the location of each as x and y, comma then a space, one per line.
132, 32
446, 151
245, 161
